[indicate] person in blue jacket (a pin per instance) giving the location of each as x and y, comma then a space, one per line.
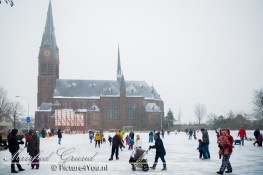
160, 152
150, 136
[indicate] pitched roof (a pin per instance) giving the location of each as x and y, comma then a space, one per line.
66, 88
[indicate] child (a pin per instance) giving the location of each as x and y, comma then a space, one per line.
200, 148
91, 137
127, 140
131, 142
138, 142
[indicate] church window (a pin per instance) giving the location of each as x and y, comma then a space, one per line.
42, 118
43, 68
132, 111
79, 105
49, 67
67, 105
112, 112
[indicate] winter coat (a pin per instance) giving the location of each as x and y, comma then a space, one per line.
151, 134
224, 144
116, 142
242, 132
256, 133
231, 140
131, 141
13, 143
138, 143
59, 134
97, 137
260, 138
33, 145
160, 151
205, 137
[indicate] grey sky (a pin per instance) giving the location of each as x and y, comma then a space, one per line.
205, 51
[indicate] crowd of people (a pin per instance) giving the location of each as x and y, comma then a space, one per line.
133, 142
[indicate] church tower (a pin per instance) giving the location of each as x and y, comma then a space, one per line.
48, 62
119, 71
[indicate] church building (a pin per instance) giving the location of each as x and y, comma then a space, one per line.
91, 104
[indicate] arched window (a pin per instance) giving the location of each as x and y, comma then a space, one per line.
112, 112
132, 111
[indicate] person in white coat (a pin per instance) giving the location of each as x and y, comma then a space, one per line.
138, 142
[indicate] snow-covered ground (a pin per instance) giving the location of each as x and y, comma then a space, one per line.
182, 157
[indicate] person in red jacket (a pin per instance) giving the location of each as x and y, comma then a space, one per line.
242, 134
226, 148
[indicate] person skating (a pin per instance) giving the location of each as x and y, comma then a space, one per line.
110, 139
97, 139
116, 143
33, 149
160, 152
150, 137
226, 148
59, 136
200, 148
14, 149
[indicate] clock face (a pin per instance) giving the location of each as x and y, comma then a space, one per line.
46, 52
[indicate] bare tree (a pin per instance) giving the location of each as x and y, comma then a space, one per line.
4, 103
200, 112
8, 2
211, 117
258, 103
15, 112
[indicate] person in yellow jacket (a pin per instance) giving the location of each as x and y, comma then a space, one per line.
97, 139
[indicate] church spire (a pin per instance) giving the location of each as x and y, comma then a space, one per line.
48, 38
119, 72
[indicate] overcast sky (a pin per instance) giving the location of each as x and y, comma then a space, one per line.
201, 51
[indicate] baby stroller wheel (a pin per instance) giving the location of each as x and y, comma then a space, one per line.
145, 167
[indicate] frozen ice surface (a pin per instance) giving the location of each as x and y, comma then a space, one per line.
182, 156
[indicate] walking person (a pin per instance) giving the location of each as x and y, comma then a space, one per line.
226, 148
110, 139
205, 139
33, 149
14, 150
59, 136
190, 134
242, 134
160, 152
150, 137
116, 143
256, 134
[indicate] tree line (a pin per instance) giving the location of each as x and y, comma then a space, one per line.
252, 121
10, 110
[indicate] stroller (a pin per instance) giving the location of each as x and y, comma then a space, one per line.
137, 159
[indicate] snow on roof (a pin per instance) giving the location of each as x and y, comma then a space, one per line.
45, 107
152, 107
94, 89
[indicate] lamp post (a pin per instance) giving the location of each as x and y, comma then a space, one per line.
27, 107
